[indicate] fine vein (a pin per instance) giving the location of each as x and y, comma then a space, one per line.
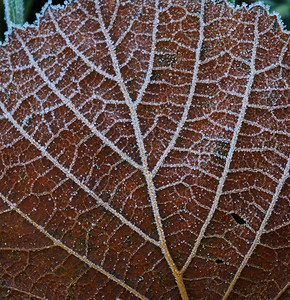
260, 231
190, 96
73, 178
151, 61
231, 151
70, 251
147, 174
286, 287
77, 52
71, 106
30, 295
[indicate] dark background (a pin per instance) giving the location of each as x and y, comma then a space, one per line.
34, 6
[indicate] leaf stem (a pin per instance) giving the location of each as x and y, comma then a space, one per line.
14, 12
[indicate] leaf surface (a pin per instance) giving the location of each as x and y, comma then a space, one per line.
144, 153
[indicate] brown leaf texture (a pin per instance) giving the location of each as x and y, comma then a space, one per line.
144, 153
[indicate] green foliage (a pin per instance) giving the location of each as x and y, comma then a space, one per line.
282, 7
14, 12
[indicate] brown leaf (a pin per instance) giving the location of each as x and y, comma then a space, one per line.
144, 153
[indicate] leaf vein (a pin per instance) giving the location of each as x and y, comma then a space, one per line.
75, 179
70, 251
260, 231
71, 106
231, 151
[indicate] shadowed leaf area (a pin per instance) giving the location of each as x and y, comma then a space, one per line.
144, 153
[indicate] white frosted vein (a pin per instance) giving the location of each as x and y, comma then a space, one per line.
71, 106
124, 34
261, 229
72, 252
285, 224
114, 15
74, 178
147, 174
190, 96
132, 104
151, 61
76, 51
234, 140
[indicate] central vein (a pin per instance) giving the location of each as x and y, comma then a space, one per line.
147, 174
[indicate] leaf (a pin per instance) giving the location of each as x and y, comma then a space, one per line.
14, 12
145, 153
